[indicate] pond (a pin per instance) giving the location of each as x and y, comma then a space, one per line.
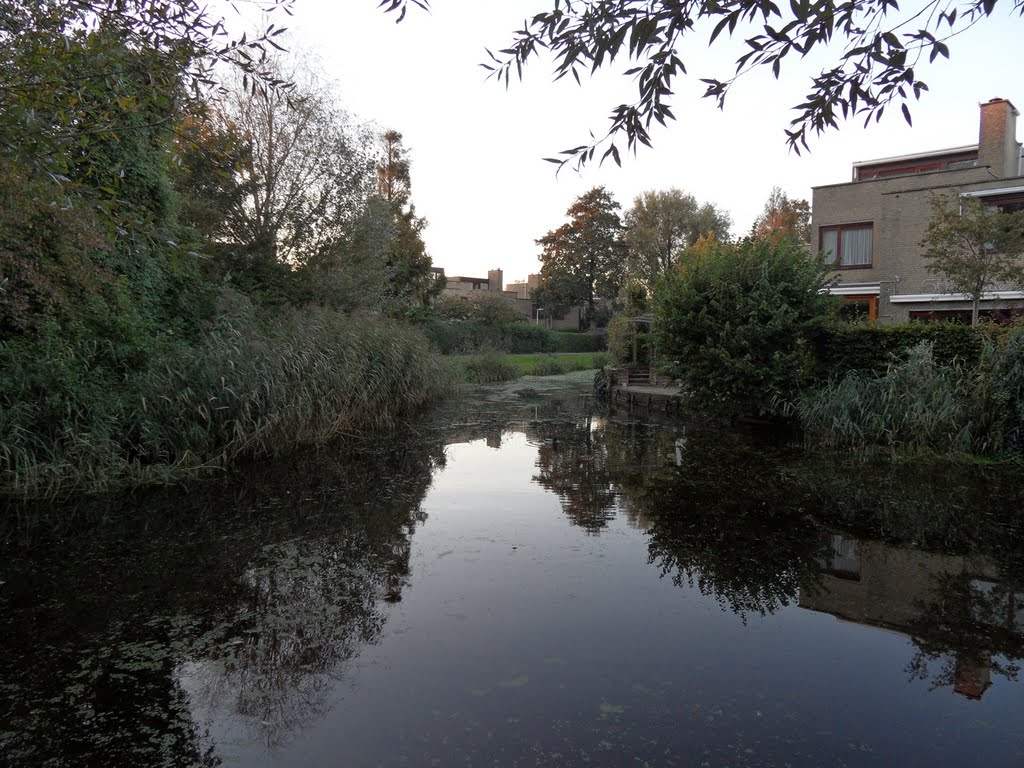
520, 579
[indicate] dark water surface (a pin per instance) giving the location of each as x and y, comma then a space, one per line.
524, 583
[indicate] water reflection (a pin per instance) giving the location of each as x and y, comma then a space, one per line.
573, 462
244, 604
761, 527
178, 628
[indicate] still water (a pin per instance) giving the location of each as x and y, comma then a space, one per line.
521, 580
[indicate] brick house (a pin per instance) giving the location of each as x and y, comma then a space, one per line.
872, 226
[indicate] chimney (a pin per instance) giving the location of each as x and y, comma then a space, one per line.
494, 278
997, 141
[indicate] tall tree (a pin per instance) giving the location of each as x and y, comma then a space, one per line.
975, 246
664, 223
583, 261
306, 172
783, 217
127, 268
50, 90
394, 182
406, 259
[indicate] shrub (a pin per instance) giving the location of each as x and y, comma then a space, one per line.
843, 348
568, 341
518, 338
737, 322
621, 333
549, 365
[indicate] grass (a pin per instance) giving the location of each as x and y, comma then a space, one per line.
555, 364
494, 366
921, 406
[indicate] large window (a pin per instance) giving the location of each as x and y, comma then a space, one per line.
1006, 203
847, 246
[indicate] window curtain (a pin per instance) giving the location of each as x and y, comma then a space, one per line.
829, 243
856, 247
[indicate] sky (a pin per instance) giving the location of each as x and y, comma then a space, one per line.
477, 148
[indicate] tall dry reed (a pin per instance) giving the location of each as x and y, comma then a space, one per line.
919, 405
255, 385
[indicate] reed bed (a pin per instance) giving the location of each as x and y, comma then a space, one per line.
254, 386
921, 406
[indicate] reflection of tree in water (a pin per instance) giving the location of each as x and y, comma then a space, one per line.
572, 462
252, 596
724, 521
598, 467
310, 606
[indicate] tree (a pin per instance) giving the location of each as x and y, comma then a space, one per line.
118, 270
51, 105
306, 171
583, 261
975, 246
882, 50
661, 225
394, 182
406, 259
736, 325
484, 307
783, 217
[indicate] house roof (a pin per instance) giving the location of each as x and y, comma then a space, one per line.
917, 155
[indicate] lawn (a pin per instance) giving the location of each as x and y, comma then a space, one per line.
541, 364
495, 366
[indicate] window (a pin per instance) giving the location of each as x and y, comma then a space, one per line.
847, 246
1006, 203
857, 309
867, 174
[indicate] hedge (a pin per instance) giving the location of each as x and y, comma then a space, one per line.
843, 348
516, 338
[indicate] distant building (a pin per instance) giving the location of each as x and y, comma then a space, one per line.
517, 293
872, 226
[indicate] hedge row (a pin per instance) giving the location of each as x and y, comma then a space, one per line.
516, 338
839, 349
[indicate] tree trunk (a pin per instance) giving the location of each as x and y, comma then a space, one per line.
975, 301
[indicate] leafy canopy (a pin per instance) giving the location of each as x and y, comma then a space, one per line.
582, 261
881, 48
783, 216
661, 225
52, 94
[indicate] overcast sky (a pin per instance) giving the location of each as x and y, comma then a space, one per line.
477, 148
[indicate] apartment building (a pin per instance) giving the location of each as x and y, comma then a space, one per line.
518, 294
871, 227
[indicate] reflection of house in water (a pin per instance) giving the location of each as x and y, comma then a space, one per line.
953, 606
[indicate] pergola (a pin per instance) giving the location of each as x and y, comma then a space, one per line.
639, 320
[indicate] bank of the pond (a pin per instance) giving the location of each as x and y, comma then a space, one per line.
252, 386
